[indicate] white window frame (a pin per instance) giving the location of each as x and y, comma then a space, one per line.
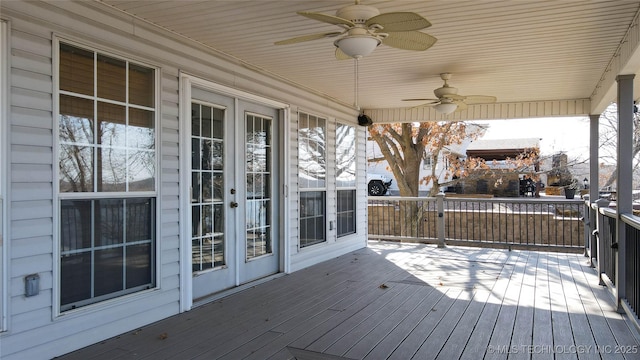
4, 106
315, 189
353, 188
427, 162
59, 196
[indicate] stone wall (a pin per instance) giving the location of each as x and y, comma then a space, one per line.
500, 183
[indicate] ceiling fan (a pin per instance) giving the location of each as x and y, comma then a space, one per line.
364, 28
449, 101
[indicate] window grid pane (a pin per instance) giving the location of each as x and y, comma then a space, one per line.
118, 150
312, 217
258, 217
346, 179
207, 211
312, 169
346, 212
107, 144
100, 257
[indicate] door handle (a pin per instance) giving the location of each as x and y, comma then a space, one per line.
233, 204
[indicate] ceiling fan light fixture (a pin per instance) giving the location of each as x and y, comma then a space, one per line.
357, 46
445, 108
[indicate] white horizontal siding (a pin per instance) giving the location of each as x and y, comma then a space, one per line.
293, 196
30, 212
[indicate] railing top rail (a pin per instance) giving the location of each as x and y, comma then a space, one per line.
482, 200
518, 200
400, 198
631, 220
608, 212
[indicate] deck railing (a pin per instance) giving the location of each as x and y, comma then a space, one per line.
632, 280
615, 253
505, 222
607, 238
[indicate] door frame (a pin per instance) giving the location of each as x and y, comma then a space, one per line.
186, 83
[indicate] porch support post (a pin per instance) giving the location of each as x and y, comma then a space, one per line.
440, 219
624, 177
600, 203
594, 186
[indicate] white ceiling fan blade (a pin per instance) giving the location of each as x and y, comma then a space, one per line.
310, 37
409, 40
327, 18
480, 99
461, 105
430, 104
399, 21
436, 100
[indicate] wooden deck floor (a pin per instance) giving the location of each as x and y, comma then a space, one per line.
401, 301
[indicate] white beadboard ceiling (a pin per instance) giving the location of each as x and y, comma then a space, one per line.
516, 50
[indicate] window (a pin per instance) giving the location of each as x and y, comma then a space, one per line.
346, 179
427, 162
107, 176
312, 168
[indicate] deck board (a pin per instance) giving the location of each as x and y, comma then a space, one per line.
542, 322
400, 301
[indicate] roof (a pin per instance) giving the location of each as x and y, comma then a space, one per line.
537, 57
501, 144
501, 149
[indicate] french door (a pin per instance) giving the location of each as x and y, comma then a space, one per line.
233, 203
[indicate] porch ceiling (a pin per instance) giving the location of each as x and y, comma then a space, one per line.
518, 51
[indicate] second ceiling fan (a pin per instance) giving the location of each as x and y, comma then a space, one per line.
364, 28
448, 99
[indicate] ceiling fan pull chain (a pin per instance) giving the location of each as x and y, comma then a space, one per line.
356, 80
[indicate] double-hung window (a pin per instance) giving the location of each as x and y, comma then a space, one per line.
312, 171
346, 179
107, 176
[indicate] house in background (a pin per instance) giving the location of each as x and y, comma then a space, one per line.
503, 179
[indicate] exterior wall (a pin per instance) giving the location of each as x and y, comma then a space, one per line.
35, 327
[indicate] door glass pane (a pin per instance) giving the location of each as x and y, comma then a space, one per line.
207, 211
259, 202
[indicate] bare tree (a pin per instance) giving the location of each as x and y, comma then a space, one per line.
609, 141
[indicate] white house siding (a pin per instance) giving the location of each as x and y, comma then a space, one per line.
35, 329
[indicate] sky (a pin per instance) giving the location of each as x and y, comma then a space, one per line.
569, 134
